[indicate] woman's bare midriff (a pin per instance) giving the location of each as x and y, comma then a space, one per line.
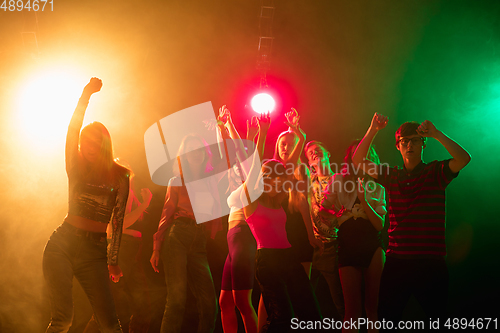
85, 224
234, 223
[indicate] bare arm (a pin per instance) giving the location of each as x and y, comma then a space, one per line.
293, 123
256, 168
460, 156
305, 209
376, 220
76, 123
359, 157
134, 215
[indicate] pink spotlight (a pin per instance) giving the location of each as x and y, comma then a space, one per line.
262, 103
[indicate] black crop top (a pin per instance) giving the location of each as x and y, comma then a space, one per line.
101, 201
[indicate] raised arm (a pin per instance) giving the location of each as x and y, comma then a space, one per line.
76, 123
233, 133
255, 170
293, 125
460, 156
359, 157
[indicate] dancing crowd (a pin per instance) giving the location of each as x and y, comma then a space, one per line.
287, 216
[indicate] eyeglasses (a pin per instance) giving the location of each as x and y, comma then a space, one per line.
414, 141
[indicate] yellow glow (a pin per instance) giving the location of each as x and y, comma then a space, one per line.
46, 104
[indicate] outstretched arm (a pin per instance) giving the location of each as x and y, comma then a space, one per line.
460, 156
256, 168
359, 157
76, 123
293, 124
242, 155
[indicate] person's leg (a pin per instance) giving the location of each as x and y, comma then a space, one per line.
372, 285
91, 271
228, 312
243, 300
92, 326
396, 285
174, 258
327, 264
262, 318
137, 290
226, 302
307, 268
201, 283
242, 250
432, 290
299, 289
351, 278
58, 273
270, 275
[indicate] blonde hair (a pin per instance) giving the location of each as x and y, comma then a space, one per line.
300, 174
103, 168
181, 154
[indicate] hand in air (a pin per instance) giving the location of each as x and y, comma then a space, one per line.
93, 86
292, 122
224, 116
379, 121
264, 121
252, 128
427, 129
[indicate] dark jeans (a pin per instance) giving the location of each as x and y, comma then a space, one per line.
285, 289
131, 293
185, 261
327, 264
73, 252
426, 279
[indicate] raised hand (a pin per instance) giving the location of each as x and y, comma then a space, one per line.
252, 128
427, 129
264, 121
379, 121
224, 115
292, 118
292, 122
93, 86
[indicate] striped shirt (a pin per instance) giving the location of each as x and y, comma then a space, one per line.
417, 209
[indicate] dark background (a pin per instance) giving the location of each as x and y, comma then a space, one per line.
336, 61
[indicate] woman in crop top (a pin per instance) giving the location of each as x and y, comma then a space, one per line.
285, 286
239, 269
98, 191
359, 204
180, 241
